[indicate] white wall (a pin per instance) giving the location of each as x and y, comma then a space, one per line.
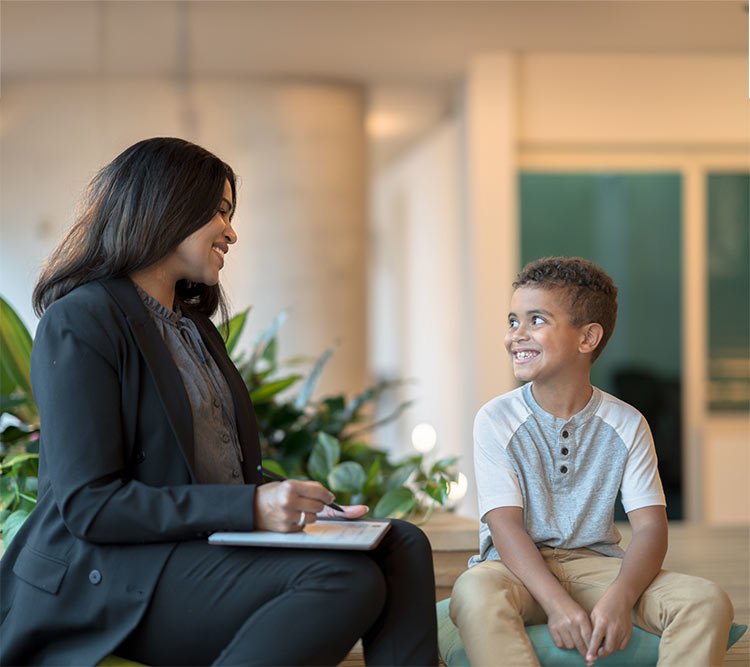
299, 151
561, 111
417, 328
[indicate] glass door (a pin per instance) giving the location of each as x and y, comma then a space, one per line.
630, 223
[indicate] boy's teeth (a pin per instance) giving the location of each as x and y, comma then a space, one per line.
524, 355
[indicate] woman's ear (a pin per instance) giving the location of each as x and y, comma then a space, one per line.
591, 336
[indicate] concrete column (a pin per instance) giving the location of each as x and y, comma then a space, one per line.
299, 150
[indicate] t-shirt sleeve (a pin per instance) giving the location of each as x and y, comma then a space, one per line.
497, 481
641, 484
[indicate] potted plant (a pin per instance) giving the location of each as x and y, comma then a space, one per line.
19, 425
301, 437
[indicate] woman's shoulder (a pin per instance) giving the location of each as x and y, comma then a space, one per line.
88, 306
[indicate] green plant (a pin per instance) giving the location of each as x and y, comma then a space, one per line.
19, 425
323, 439
300, 437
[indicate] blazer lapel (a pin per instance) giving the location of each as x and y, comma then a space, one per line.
165, 374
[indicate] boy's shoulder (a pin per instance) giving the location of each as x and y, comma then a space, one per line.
507, 409
614, 410
514, 407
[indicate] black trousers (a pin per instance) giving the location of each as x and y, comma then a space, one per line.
261, 606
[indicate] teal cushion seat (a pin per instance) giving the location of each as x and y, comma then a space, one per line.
643, 649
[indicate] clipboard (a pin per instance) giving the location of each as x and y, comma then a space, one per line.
359, 535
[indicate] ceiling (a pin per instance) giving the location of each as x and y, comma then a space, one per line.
369, 42
408, 55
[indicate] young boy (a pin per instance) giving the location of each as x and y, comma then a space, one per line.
550, 458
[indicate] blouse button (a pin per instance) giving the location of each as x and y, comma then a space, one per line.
95, 577
565, 434
564, 451
563, 469
225, 438
235, 473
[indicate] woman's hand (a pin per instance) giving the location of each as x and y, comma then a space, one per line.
285, 507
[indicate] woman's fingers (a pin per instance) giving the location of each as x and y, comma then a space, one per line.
350, 512
279, 506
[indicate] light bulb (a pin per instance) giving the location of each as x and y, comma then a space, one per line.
423, 437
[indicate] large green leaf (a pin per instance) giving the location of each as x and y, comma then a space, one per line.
347, 477
12, 524
303, 398
267, 391
234, 328
274, 466
437, 490
325, 455
443, 464
369, 394
374, 477
401, 474
15, 352
17, 460
266, 338
381, 422
395, 504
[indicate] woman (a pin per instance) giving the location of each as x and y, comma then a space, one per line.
149, 443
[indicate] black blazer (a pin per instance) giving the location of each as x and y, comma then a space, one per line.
117, 489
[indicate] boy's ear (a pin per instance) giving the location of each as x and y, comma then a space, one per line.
591, 336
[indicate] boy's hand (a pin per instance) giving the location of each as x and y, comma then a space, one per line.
612, 627
569, 625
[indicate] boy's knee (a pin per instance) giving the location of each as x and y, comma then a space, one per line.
480, 588
702, 598
715, 600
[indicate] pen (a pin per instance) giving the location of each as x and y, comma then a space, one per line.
278, 478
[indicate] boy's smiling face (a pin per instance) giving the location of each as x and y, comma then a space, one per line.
542, 343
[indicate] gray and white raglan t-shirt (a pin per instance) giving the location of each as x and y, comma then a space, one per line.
565, 474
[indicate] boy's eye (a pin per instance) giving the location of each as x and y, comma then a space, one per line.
512, 323
537, 320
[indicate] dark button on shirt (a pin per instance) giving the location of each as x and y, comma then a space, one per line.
564, 451
563, 469
565, 434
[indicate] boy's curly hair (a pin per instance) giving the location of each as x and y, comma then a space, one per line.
592, 293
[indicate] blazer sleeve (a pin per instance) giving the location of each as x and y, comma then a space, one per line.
78, 356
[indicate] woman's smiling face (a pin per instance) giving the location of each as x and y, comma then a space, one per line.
200, 257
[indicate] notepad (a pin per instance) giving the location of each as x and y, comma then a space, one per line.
323, 534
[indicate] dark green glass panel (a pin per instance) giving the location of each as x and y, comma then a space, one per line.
629, 224
729, 291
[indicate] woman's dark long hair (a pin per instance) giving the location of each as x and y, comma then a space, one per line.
136, 211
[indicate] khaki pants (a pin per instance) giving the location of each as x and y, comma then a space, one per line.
490, 607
